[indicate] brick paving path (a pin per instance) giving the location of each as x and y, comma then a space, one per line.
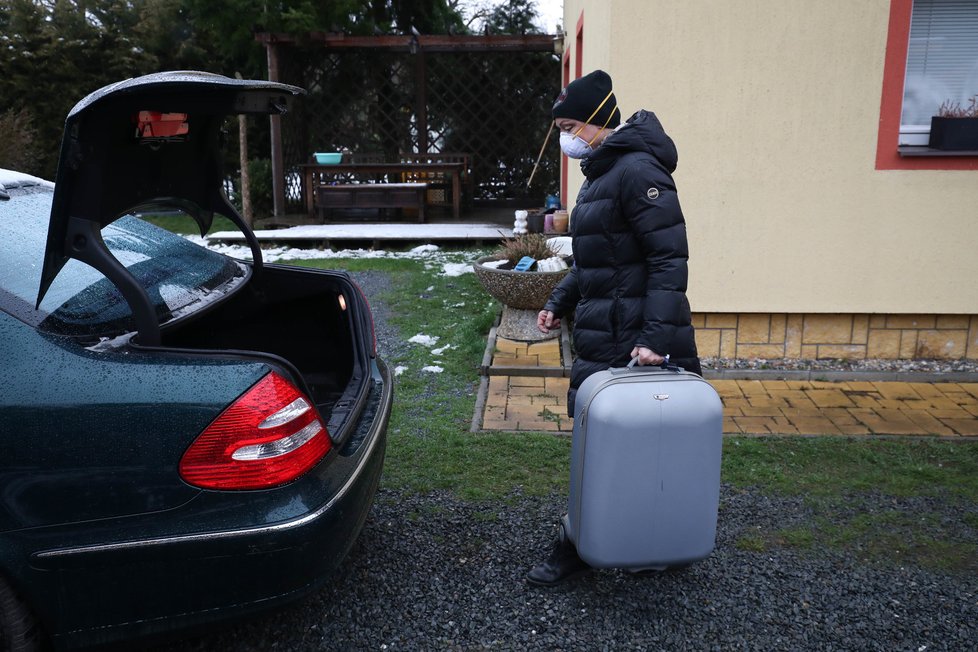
516, 401
848, 408
526, 391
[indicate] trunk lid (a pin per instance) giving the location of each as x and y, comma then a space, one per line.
153, 141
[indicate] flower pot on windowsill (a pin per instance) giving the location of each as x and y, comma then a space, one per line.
954, 133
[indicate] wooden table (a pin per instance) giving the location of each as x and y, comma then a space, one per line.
315, 175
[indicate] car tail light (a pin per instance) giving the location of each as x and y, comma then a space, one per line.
271, 435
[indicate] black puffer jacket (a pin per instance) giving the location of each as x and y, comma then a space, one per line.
628, 284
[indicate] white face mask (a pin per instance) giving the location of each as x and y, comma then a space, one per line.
573, 146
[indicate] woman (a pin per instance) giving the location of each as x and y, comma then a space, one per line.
627, 289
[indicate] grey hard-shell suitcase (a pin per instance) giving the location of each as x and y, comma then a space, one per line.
645, 468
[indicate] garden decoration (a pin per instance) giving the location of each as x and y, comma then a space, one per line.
523, 289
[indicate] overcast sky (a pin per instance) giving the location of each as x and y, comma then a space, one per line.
551, 12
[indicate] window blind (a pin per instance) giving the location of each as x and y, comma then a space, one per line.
942, 63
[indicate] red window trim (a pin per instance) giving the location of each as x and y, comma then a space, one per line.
578, 71
891, 102
579, 54
563, 159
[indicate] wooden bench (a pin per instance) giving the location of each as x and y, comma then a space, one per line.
440, 184
371, 195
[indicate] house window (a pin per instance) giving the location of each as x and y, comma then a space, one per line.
942, 63
890, 153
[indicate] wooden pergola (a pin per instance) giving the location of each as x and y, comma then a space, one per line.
416, 45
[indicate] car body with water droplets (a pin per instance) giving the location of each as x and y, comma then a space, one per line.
186, 437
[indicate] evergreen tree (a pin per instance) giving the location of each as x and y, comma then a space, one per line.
55, 52
513, 17
58, 52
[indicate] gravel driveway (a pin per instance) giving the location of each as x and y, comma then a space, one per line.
433, 572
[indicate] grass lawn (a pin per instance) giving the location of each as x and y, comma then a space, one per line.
431, 448
183, 224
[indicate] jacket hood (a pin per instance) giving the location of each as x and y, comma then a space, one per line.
641, 133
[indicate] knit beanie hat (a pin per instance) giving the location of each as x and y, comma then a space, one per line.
589, 99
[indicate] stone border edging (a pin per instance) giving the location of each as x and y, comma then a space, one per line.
835, 376
827, 375
480, 405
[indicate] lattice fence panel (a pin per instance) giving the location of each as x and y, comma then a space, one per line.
360, 101
495, 106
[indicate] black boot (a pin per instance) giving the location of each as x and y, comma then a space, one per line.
562, 564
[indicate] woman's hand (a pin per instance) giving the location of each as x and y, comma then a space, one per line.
647, 356
546, 321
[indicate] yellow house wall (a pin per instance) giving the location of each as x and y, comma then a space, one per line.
774, 106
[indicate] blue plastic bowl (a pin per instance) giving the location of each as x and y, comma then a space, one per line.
328, 158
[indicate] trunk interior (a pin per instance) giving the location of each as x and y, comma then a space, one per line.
298, 315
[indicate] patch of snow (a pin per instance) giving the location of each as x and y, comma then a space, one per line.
442, 349
276, 254
434, 369
426, 249
400, 369
13, 178
431, 256
434, 260
561, 246
495, 263
113, 344
456, 269
424, 340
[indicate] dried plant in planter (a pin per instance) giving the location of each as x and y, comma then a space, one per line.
533, 245
518, 290
956, 127
951, 109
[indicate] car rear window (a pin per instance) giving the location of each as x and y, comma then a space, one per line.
178, 275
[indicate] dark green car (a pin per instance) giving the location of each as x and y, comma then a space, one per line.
184, 436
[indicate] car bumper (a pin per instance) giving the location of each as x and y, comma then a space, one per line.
123, 589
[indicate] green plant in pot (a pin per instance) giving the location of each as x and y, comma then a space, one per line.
522, 293
955, 127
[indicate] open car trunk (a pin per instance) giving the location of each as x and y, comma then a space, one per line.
315, 320
159, 138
